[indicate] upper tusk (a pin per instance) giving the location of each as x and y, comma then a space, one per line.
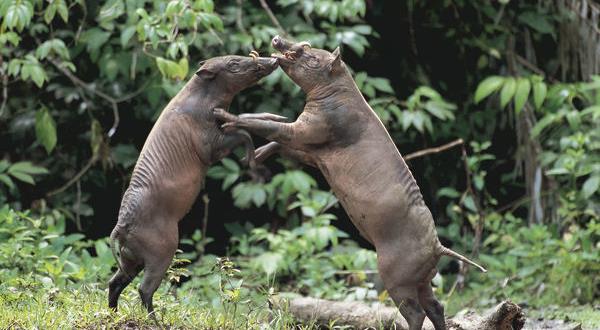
254, 54
305, 45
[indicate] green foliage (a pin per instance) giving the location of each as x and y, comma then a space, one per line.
45, 129
538, 264
37, 251
567, 127
21, 171
72, 68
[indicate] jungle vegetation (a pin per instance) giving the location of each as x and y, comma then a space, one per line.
518, 82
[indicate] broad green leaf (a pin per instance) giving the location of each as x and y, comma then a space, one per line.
217, 172
7, 181
418, 120
11, 37
508, 91
522, 93
50, 12
95, 38
38, 75
26, 167
124, 155
590, 186
487, 87
4, 165
62, 10
558, 171
126, 35
23, 177
381, 84
360, 79
542, 124
45, 129
259, 196
183, 68
269, 262
469, 203
230, 165
538, 21
593, 110
539, 93
448, 192
229, 180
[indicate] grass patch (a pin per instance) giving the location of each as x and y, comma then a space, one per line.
86, 308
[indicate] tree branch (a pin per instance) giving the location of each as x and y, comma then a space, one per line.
4, 94
91, 89
238, 18
75, 178
435, 150
266, 7
532, 67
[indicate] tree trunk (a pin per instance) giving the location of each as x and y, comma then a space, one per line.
361, 315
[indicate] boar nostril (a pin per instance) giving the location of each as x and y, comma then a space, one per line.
276, 40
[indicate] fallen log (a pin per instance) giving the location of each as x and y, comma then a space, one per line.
361, 315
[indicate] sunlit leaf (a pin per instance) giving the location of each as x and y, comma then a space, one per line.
487, 87
522, 93
590, 186
508, 91
45, 129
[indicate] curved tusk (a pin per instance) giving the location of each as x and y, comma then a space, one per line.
253, 54
305, 45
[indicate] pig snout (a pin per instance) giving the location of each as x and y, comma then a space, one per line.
269, 63
276, 42
280, 44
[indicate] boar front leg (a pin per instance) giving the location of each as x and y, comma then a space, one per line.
234, 138
300, 135
271, 148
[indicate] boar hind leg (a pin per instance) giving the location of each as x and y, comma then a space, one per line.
433, 308
124, 275
406, 299
158, 249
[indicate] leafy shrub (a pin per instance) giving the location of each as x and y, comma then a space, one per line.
540, 265
36, 251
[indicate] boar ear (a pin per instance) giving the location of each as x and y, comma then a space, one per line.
337, 60
206, 73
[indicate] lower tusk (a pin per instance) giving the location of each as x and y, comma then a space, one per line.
254, 55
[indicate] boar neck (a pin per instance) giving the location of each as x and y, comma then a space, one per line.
198, 97
342, 90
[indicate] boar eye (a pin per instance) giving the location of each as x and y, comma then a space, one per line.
233, 66
313, 63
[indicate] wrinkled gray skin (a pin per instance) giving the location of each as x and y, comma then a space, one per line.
171, 168
341, 135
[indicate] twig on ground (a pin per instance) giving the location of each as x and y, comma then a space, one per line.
266, 7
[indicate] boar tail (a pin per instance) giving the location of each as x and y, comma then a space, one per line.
446, 251
114, 247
